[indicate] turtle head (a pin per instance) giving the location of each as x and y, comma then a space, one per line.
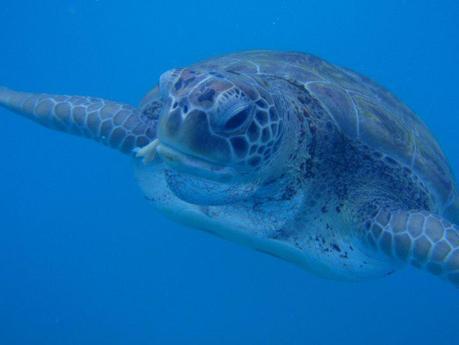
219, 135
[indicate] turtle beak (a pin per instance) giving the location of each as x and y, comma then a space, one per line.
196, 166
189, 132
184, 163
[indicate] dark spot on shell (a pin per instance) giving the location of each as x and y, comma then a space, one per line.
152, 111
336, 247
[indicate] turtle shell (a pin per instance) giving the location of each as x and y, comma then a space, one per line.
363, 110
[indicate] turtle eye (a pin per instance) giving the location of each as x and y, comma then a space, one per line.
237, 120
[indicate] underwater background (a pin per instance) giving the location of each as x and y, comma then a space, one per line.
84, 259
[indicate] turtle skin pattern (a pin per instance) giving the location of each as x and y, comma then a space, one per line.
363, 111
419, 238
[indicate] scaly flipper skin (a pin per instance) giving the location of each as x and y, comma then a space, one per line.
117, 125
417, 237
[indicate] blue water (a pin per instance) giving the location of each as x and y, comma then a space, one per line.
85, 260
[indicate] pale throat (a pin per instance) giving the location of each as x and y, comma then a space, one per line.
263, 214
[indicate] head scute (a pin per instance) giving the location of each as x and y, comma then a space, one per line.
211, 110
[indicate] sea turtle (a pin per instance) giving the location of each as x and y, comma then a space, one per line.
286, 153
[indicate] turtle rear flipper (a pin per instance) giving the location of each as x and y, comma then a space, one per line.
117, 125
420, 238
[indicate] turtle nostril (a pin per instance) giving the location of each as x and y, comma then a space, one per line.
237, 120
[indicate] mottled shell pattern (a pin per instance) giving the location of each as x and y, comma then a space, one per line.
363, 110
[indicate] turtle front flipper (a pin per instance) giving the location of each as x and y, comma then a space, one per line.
420, 238
117, 125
